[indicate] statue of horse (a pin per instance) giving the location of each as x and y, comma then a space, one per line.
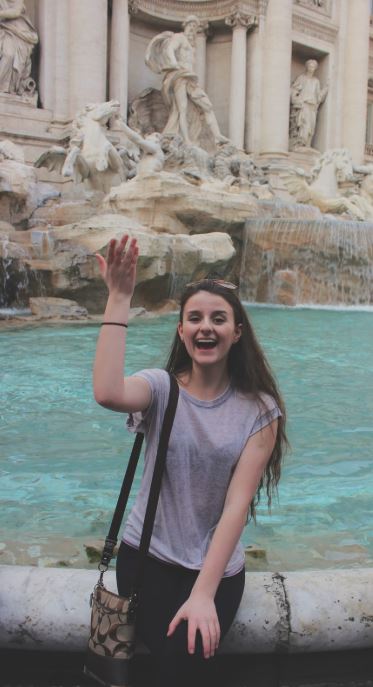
333, 167
90, 155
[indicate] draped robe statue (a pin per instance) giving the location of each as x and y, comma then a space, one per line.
17, 40
172, 55
306, 96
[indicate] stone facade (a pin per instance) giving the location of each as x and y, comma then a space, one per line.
247, 56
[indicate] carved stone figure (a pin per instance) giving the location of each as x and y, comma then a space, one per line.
172, 55
333, 167
153, 157
17, 40
147, 112
306, 96
234, 167
91, 156
363, 200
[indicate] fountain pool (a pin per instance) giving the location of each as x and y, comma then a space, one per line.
63, 456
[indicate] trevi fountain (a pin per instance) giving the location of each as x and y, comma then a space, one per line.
227, 137
231, 139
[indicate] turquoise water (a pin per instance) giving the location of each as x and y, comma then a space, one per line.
63, 456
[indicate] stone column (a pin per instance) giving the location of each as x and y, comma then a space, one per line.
240, 22
88, 44
61, 98
254, 89
200, 64
47, 40
119, 54
276, 78
356, 78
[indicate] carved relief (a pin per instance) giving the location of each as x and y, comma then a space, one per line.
133, 7
322, 6
209, 10
316, 29
240, 18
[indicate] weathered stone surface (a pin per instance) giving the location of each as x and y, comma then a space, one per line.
46, 307
285, 287
63, 258
20, 191
280, 612
331, 260
66, 211
169, 203
5, 226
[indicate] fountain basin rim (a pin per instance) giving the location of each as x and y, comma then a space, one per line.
292, 612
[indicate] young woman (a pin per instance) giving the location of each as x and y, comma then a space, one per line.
226, 445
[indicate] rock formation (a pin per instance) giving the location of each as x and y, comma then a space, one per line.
20, 191
63, 258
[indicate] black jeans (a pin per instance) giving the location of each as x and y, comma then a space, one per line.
165, 588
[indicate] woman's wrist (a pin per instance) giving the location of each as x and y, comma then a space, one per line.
202, 589
117, 308
117, 298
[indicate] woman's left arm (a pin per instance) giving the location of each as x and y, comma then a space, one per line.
199, 609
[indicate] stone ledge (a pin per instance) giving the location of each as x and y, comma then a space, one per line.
294, 612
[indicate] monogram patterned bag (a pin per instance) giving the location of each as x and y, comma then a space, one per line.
111, 643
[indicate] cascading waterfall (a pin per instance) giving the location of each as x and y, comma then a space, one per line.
18, 280
324, 261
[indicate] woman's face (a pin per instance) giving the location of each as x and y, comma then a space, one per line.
208, 329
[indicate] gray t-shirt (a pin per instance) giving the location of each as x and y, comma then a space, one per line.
206, 441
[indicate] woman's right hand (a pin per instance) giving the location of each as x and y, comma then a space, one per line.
119, 269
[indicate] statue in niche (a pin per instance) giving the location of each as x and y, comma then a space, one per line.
190, 110
306, 96
17, 40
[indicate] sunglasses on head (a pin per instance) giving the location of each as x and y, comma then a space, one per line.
219, 282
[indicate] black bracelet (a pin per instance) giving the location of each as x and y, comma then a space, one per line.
118, 324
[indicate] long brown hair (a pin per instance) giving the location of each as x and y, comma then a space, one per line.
249, 373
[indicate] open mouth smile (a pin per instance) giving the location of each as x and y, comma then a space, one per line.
206, 344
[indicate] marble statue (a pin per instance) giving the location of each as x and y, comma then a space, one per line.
11, 151
190, 110
17, 40
306, 96
333, 167
91, 156
234, 167
363, 200
152, 160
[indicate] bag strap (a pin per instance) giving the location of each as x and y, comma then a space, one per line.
155, 487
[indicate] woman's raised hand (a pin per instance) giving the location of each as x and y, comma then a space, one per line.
119, 269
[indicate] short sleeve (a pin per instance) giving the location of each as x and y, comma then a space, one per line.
268, 411
158, 381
